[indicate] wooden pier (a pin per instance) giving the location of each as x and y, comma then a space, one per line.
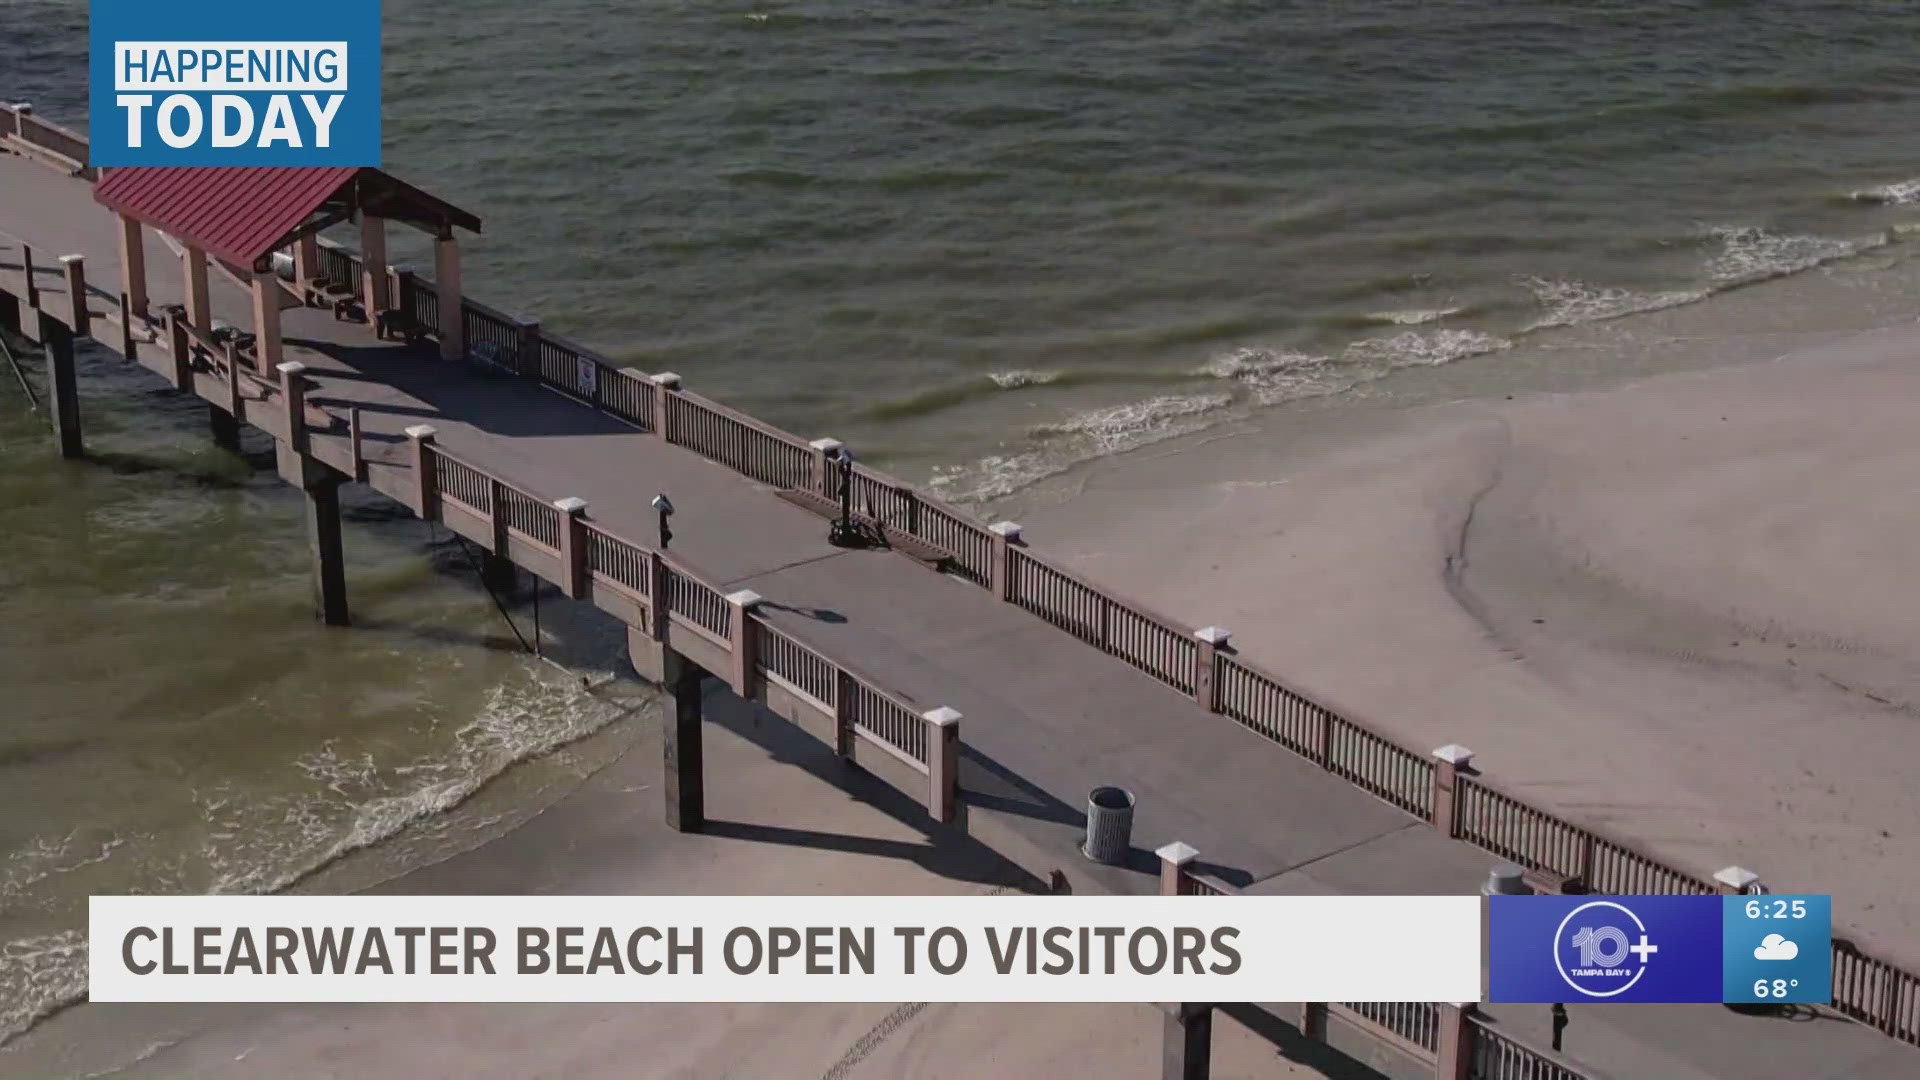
955, 661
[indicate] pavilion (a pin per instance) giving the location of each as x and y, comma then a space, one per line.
242, 216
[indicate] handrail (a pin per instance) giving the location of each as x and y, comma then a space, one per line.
1365, 758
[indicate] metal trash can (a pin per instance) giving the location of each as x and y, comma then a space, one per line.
1506, 880
1109, 825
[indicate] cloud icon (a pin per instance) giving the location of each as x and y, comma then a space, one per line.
1775, 947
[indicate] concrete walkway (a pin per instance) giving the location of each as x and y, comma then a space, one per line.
1047, 717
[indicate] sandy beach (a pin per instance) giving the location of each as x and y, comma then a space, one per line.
1677, 609
786, 819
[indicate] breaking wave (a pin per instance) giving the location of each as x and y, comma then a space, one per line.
1904, 193
350, 801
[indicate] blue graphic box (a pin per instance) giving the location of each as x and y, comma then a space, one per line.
1604, 948
234, 82
1764, 949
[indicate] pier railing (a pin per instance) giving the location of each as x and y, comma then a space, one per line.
1557, 853
1447, 1041
661, 594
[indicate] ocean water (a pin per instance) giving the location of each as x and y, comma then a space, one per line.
979, 241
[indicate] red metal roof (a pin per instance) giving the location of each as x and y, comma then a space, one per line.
235, 214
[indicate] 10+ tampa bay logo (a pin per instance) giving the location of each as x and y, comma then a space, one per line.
1620, 948
234, 82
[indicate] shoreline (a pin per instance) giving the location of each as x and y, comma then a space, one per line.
1662, 606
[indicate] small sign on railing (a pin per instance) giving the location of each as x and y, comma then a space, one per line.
587, 377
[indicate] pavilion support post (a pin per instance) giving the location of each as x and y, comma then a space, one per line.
453, 323
225, 427
267, 347
57, 342
322, 486
374, 287
133, 263
1187, 1042
9, 312
73, 270
684, 777
306, 259
199, 308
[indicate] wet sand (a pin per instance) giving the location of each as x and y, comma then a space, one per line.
1679, 609
785, 820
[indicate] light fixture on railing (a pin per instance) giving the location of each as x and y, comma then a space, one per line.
665, 506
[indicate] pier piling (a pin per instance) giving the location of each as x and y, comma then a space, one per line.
57, 342
322, 486
680, 741
225, 427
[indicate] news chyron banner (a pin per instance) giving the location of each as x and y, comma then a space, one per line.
234, 82
1728, 949
784, 948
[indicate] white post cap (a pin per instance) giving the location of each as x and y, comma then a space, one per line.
1009, 530
944, 716
1215, 636
1455, 755
421, 431
71, 259
1177, 853
1736, 877
745, 598
570, 505
827, 446
666, 380
291, 367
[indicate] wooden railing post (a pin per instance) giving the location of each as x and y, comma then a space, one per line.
1174, 860
843, 714
659, 605
182, 349
497, 515
1454, 1060
356, 449
126, 328
75, 271
664, 385
426, 481
573, 546
293, 383
1006, 536
233, 378
1213, 640
527, 348
943, 763
33, 285
744, 642
1449, 761
825, 476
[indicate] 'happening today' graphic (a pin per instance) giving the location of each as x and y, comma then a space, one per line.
235, 82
